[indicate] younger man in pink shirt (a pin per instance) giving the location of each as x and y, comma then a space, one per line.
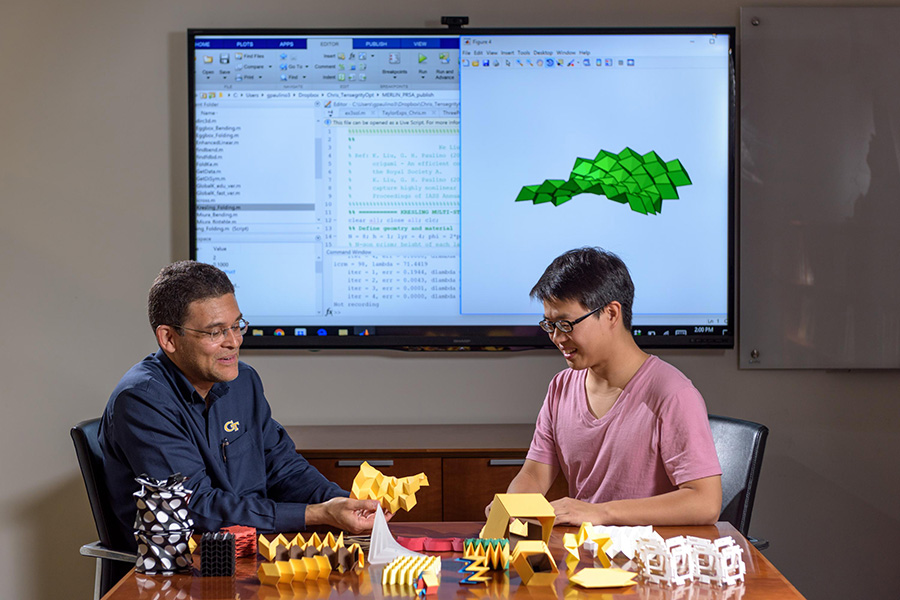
629, 431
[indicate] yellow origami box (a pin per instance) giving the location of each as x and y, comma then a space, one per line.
521, 506
533, 562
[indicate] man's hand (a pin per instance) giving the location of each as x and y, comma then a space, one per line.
348, 514
575, 512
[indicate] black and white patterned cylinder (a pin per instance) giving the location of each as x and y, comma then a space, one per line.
163, 526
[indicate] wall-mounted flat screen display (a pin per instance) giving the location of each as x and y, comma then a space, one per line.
407, 188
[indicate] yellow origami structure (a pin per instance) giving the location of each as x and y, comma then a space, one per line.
603, 578
269, 549
521, 506
476, 569
300, 559
533, 562
295, 569
406, 569
266, 548
601, 542
427, 584
392, 493
518, 528
572, 555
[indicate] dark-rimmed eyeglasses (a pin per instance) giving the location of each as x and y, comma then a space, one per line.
564, 325
216, 336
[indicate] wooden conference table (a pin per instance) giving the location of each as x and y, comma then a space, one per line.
763, 580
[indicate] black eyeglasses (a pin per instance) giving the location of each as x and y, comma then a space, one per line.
564, 325
239, 329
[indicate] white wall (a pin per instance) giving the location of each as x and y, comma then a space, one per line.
93, 189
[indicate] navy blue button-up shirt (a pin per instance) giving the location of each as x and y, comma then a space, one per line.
241, 465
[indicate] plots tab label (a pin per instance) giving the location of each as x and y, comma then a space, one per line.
250, 43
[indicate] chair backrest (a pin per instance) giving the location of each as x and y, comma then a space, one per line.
90, 459
740, 446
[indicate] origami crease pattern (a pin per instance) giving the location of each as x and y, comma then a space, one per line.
641, 181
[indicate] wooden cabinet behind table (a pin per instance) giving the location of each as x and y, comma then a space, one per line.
470, 484
465, 464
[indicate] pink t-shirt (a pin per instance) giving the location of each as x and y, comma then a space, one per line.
655, 437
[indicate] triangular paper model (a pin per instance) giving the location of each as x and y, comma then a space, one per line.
383, 548
534, 563
522, 506
603, 578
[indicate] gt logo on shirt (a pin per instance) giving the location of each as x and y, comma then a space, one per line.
232, 426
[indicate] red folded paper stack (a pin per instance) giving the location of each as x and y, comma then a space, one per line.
244, 539
427, 544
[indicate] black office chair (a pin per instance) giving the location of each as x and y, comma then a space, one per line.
740, 446
112, 562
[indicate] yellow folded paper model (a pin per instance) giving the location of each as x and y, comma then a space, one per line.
476, 569
406, 569
299, 559
572, 555
522, 506
603, 578
599, 543
392, 493
295, 569
495, 551
533, 562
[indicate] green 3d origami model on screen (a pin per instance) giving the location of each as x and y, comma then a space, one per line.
641, 181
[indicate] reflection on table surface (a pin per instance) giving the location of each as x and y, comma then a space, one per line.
762, 580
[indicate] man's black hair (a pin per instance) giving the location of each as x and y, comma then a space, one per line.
591, 276
179, 284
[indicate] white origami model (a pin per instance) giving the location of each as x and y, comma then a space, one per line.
717, 561
679, 560
666, 562
624, 539
383, 548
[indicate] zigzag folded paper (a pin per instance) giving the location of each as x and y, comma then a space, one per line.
299, 559
494, 550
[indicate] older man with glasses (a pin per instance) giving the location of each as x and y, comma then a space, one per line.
193, 408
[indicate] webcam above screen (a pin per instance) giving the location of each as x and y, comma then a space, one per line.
407, 188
